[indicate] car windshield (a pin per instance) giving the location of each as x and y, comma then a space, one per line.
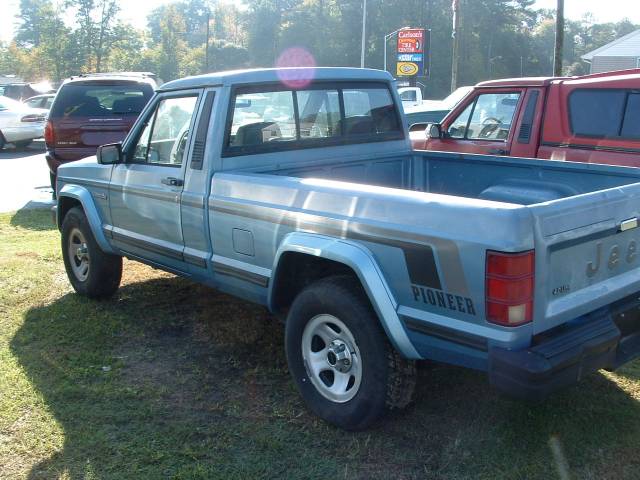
453, 99
101, 100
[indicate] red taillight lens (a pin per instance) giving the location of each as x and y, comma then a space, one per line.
49, 136
509, 287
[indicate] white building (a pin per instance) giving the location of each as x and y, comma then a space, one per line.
620, 54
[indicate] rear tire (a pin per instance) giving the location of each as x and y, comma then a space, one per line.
22, 144
350, 387
52, 179
3, 142
91, 272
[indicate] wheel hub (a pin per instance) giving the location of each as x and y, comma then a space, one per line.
331, 358
81, 252
339, 356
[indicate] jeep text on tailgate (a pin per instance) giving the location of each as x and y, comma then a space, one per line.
297, 189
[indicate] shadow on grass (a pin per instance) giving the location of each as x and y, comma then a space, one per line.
38, 219
173, 380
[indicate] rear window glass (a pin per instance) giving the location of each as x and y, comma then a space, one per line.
280, 119
101, 100
600, 113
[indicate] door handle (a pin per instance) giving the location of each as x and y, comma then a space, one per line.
498, 151
172, 181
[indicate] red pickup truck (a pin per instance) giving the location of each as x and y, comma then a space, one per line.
593, 118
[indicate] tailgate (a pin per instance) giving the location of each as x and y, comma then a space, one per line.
587, 253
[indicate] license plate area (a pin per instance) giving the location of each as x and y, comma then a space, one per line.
626, 315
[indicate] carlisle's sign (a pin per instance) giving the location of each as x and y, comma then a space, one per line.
412, 47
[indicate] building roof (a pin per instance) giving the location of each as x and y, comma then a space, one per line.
265, 75
627, 46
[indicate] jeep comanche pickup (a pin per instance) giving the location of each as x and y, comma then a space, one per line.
298, 189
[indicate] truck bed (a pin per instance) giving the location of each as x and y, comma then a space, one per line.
457, 207
508, 180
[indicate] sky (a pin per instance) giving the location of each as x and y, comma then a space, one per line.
135, 11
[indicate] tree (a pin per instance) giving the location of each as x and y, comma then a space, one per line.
32, 15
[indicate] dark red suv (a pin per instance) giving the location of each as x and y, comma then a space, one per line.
92, 110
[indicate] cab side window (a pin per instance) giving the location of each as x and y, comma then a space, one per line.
458, 128
489, 117
605, 113
166, 135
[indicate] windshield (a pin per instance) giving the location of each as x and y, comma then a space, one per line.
101, 100
453, 99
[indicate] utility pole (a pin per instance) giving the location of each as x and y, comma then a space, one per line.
206, 47
364, 30
455, 6
557, 54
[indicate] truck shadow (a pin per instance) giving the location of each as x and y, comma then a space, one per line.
34, 216
173, 379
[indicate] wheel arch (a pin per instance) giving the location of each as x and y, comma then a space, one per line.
71, 196
303, 258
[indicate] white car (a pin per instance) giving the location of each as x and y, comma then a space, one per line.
20, 124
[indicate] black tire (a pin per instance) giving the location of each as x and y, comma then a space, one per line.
52, 179
22, 144
104, 271
3, 142
387, 381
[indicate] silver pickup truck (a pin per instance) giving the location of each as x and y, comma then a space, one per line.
297, 189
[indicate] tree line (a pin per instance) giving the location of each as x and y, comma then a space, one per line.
498, 38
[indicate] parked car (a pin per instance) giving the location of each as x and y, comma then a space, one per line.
433, 111
21, 91
374, 255
20, 124
594, 119
91, 110
41, 101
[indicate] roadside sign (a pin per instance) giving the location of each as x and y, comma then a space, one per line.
407, 69
413, 51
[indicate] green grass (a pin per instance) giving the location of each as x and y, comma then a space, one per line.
172, 380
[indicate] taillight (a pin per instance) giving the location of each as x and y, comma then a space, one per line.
49, 136
31, 118
509, 287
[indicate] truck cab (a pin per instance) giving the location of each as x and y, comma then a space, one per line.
410, 96
593, 119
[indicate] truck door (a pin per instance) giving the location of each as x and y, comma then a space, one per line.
484, 124
146, 190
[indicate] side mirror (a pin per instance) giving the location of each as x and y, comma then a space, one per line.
418, 127
434, 130
109, 154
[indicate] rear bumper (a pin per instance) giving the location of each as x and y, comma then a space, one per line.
28, 131
608, 339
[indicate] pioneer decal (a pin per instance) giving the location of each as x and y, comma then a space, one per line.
442, 299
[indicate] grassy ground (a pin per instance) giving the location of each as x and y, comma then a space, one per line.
172, 380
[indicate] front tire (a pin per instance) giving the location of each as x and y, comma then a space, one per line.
340, 359
91, 272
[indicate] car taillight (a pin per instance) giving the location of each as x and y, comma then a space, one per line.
509, 287
32, 118
49, 136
